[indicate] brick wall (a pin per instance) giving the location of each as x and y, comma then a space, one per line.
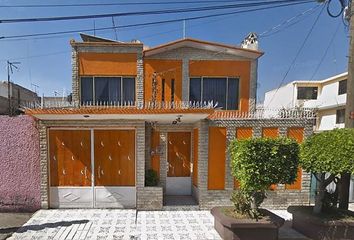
149, 198
280, 198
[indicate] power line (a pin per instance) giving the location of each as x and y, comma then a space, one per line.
154, 12
141, 37
297, 54
150, 23
286, 24
120, 4
325, 53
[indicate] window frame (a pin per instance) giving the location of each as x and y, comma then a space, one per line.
312, 87
109, 76
226, 90
337, 116
339, 87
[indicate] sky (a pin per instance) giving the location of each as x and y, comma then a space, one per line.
46, 62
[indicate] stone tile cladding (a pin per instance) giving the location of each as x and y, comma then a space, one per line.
149, 198
280, 198
43, 135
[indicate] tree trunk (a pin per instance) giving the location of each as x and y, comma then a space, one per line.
344, 191
320, 192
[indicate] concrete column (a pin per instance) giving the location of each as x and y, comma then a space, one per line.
229, 180
75, 76
163, 159
185, 79
44, 165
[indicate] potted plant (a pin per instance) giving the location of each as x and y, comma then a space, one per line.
329, 156
257, 164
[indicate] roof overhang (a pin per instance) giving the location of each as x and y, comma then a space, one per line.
94, 113
203, 45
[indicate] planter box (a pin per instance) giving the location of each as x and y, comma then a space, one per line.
247, 229
315, 228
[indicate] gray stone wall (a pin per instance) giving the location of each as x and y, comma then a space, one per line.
280, 198
140, 147
149, 198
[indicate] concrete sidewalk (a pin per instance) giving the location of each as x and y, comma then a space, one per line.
172, 223
10, 222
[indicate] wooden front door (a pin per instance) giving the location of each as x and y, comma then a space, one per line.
114, 158
70, 168
92, 168
179, 163
70, 158
114, 153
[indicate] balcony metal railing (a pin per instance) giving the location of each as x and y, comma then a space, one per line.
52, 104
219, 114
267, 113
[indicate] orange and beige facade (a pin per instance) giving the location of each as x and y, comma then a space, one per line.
173, 108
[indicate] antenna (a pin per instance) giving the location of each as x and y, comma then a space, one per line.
94, 27
114, 28
184, 29
34, 87
10, 67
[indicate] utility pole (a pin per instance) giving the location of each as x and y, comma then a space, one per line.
349, 109
10, 66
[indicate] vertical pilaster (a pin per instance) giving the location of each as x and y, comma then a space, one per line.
43, 142
230, 135
140, 156
163, 159
140, 79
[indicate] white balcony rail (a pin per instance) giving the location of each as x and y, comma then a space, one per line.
52, 104
267, 113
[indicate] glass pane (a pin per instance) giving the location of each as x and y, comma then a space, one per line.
86, 89
214, 89
307, 93
195, 89
114, 87
129, 89
342, 88
232, 94
107, 89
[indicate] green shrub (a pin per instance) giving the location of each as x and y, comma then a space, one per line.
328, 152
257, 163
151, 178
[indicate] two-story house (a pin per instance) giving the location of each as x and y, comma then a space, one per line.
327, 96
173, 108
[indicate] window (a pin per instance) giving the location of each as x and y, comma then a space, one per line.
163, 90
172, 90
342, 87
222, 90
307, 93
340, 116
107, 89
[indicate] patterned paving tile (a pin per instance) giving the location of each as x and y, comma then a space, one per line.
178, 223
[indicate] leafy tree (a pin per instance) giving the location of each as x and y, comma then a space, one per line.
328, 152
257, 163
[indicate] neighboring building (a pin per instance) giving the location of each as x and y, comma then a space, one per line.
172, 108
19, 95
327, 96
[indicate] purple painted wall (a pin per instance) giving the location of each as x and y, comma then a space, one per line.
19, 164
